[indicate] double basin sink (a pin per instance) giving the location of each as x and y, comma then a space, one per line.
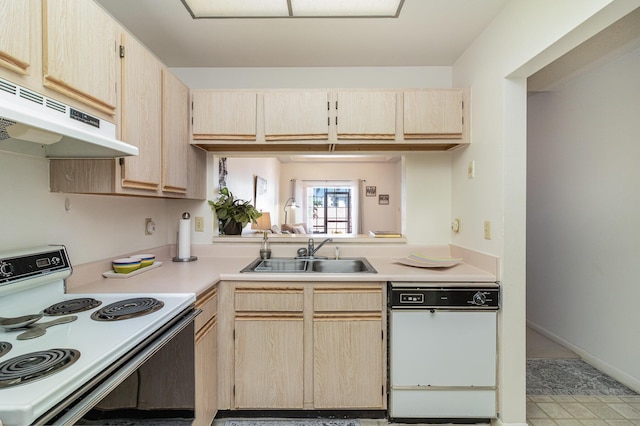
287, 265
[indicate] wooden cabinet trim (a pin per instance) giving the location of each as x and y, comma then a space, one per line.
271, 316
68, 90
204, 330
208, 304
347, 316
268, 290
206, 297
14, 64
354, 289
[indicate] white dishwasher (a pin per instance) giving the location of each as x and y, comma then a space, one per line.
442, 350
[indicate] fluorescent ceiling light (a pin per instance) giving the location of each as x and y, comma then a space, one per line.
293, 8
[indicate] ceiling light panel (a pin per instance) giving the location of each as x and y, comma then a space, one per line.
344, 8
237, 8
292, 8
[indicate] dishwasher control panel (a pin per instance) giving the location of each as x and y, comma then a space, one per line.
482, 298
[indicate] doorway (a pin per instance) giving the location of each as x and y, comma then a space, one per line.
579, 195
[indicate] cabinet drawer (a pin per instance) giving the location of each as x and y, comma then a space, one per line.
360, 298
281, 299
208, 304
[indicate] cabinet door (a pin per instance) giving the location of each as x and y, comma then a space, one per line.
347, 361
141, 116
269, 362
366, 115
206, 358
433, 114
206, 373
224, 115
15, 35
79, 52
296, 116
175, 133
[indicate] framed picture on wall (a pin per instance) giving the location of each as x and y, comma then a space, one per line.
383, 199
370, 191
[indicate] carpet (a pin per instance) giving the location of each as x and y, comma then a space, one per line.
292, 422
570, 377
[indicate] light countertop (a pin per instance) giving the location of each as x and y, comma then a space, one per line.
217, 264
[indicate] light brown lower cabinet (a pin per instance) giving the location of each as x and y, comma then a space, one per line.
269, 362
347, 353
206, 358
302, 346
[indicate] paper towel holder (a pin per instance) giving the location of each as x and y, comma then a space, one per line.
185, 215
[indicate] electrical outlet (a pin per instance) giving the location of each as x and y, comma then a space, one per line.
199, 224
455, 225
487, 229
149, 226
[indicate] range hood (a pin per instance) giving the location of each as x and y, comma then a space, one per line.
33, 124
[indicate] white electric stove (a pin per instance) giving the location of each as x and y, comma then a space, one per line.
84, 358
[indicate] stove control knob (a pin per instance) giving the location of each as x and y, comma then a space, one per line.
479, 298
6, 269
55, 260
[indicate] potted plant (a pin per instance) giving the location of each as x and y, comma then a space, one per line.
233, 213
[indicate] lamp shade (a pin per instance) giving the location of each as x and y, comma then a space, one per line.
263, 222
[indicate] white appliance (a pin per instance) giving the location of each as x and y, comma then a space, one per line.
33, 124
442, 341
98, 350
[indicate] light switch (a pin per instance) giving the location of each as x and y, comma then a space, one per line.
471, 169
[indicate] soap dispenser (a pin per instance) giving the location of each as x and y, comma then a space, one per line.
265, 248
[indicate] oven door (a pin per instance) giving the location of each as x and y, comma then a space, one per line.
156, 380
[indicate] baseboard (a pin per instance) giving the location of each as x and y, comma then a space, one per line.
624, 378
498, 422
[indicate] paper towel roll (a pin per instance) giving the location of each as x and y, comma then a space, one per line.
184, 239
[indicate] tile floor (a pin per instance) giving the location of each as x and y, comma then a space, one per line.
575, 410
578, 410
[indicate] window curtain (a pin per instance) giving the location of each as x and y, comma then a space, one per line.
361, 191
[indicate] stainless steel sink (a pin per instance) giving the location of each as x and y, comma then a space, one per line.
277, 265
315, 265
341, 266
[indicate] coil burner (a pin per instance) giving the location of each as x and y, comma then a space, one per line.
35, 365
72, 306
129, 308
5, 347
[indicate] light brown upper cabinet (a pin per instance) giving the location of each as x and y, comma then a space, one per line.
175, 133
366, 115
224, 115
141, 116
79, 52
15, 36
433, 114
296, 115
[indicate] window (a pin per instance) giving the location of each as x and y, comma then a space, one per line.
330, 208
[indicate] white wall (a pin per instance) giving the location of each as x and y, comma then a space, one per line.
526, 36
583, 215
95, 227
325, 77
427, 185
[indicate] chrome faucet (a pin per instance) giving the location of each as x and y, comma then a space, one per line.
312, 249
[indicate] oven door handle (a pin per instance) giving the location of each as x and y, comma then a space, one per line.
88, 401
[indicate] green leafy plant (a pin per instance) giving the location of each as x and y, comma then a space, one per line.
231, 209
